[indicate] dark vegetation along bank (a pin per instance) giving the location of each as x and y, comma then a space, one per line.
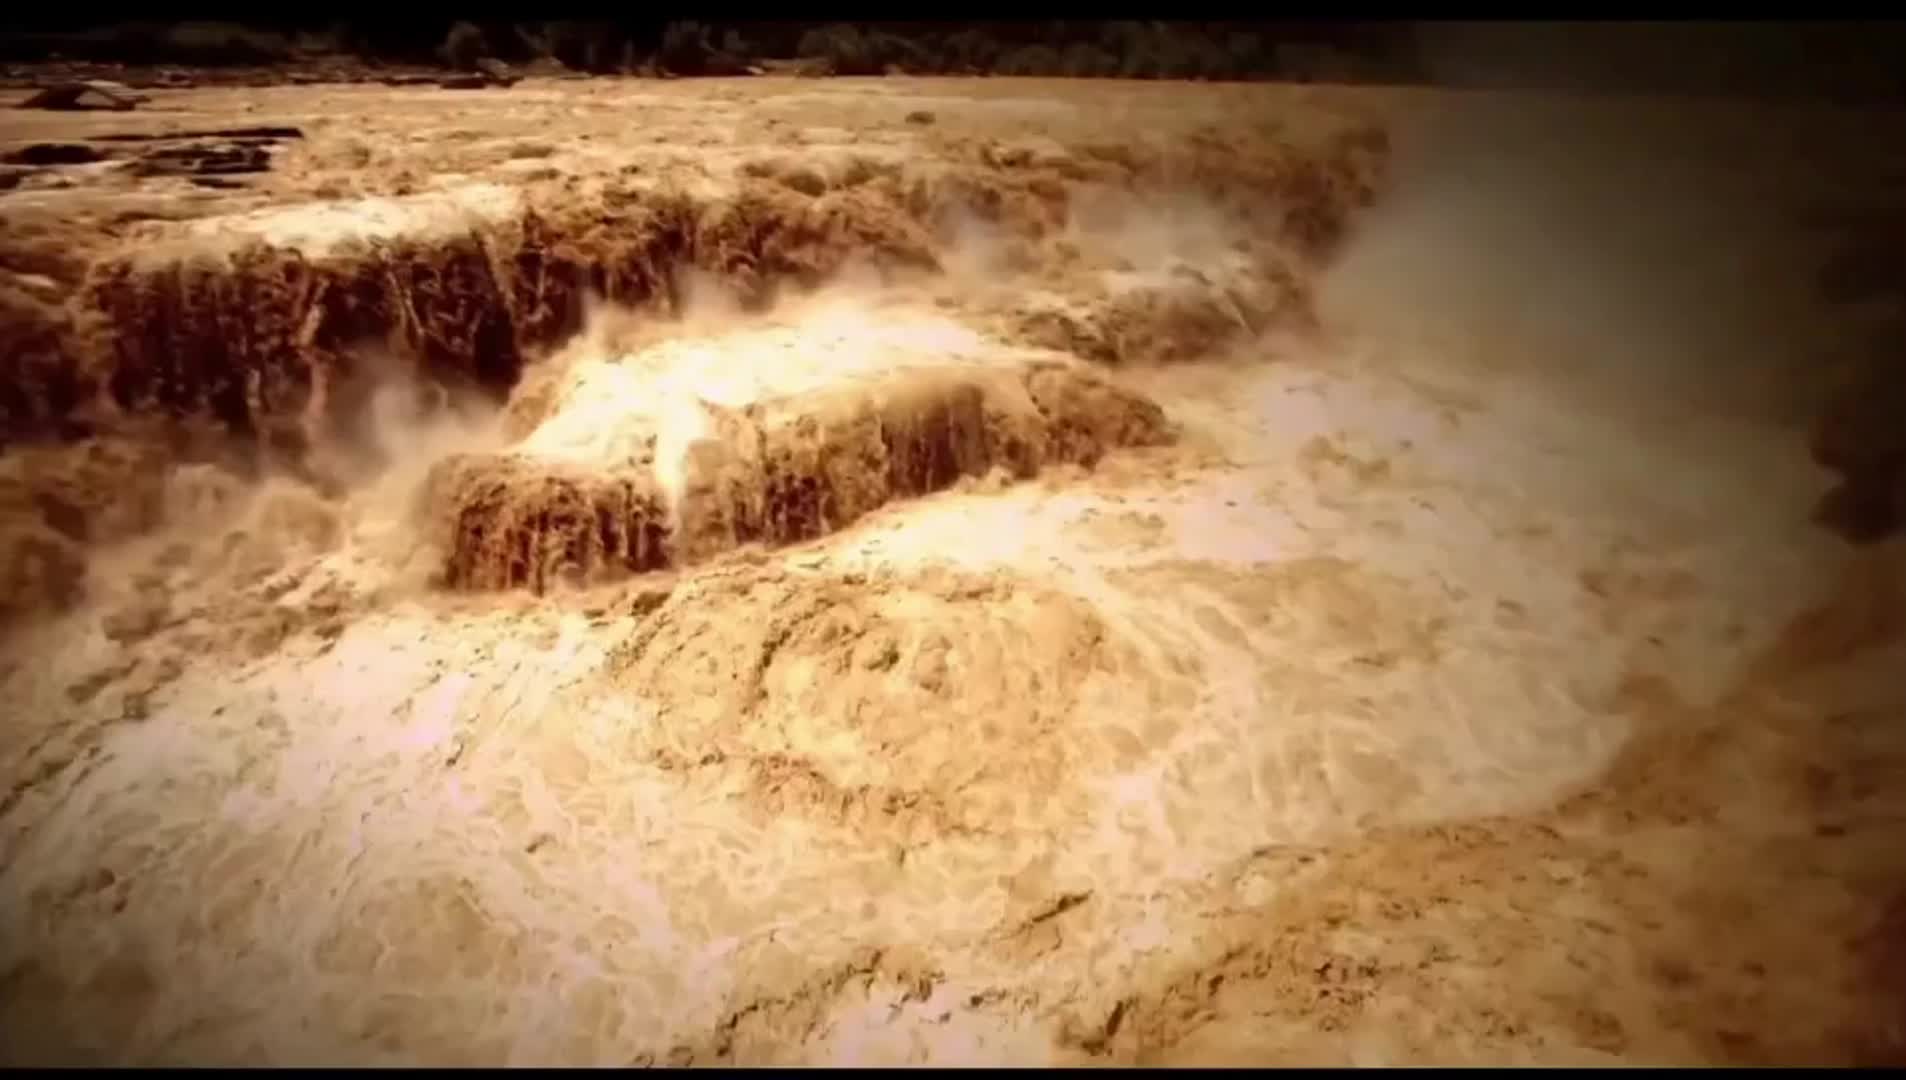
1088, 49
1842, 60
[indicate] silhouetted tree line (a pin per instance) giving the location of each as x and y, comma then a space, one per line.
1062, 48
1065, 48
1836, 60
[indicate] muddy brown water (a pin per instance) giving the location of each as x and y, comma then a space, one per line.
1126, 573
